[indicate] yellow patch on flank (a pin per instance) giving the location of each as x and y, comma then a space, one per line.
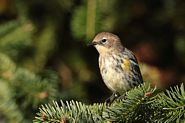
126, 64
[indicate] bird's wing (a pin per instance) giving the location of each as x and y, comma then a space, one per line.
130, 63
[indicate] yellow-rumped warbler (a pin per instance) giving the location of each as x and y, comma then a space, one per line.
118, 65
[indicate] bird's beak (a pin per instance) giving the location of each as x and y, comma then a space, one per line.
92, 44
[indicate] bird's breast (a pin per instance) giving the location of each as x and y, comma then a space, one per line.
112, 74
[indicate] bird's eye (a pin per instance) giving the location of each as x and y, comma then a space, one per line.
103, 40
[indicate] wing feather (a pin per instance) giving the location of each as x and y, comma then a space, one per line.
136, 73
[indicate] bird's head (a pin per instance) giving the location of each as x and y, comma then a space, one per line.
106, 42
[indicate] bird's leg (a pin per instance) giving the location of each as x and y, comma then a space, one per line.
123, 96
114, 96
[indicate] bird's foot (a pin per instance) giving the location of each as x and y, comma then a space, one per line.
114, 96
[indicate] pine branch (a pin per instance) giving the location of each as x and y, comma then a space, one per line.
7, 67
16, 38
8, 108
73, 112
138, 106
8, 27
141, 104
174, 104
35, 90
22, 90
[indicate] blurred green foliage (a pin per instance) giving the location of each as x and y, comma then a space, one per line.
43, 52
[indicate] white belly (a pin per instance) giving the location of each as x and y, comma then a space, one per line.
113, 79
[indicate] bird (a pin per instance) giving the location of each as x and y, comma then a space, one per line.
118, 65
